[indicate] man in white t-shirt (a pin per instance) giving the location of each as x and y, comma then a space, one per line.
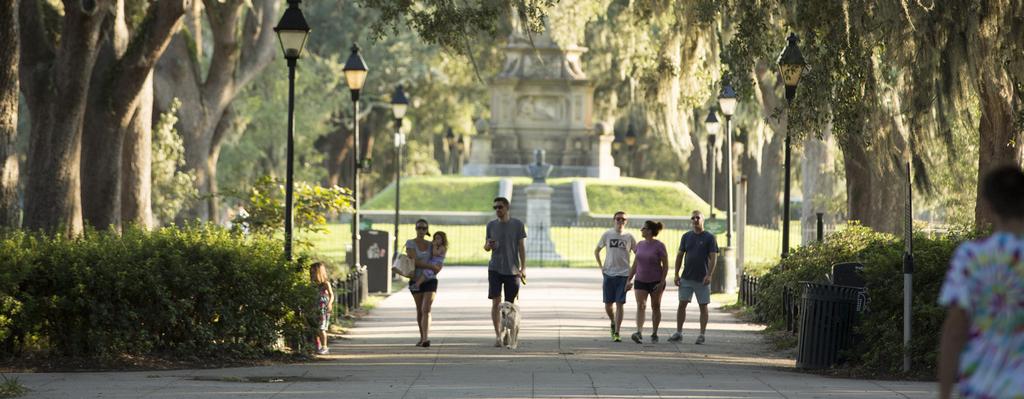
615, 269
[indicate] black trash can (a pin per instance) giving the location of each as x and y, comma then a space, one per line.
376, 256
827, 315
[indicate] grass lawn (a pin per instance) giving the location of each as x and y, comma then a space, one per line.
439, 193
644, 197
464, 193
574, 244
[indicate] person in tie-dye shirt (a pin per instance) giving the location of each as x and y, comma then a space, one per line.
982, 347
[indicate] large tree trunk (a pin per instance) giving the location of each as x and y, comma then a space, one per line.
236, 60
1001, 139
125, 66
136, 163
56, 83
8, 113
818, 183
764, 182
761, 160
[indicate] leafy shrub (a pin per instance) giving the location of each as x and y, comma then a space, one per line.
880, 349
200, 291
265, 206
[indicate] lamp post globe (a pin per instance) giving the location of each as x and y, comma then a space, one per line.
791, 68
399, 104
713, 126
292, 31
355, 76
711, 123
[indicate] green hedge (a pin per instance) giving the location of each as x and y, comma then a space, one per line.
880, 348
196, 292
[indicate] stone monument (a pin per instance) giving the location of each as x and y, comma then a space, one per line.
541, 99
538, 211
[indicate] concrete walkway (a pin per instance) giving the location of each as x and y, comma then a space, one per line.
565, 352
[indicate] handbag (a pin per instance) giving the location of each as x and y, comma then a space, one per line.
403, 266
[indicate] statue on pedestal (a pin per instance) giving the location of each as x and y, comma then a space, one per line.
539, 170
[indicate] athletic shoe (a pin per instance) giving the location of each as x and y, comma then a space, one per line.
676, 337
616, 338
654, 338
323, 351
637, 338
700, 339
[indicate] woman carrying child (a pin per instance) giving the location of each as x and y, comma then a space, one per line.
421, 251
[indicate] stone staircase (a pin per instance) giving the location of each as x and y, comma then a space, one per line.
563, 207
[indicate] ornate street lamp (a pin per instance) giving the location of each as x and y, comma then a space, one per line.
399, 104
712, 125
791, 67
292, 31
727, 103
355, 75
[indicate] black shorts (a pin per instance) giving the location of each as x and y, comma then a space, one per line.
649, 287
495, 282
427, 286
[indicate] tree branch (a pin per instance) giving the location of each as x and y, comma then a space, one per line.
219, 87
162, 21
257, 41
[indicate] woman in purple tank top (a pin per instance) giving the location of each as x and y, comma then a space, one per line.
650, 266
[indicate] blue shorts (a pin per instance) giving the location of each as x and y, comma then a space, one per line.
614, 288
689, 288
496, 281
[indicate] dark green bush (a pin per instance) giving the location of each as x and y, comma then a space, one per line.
880, 349
200, 292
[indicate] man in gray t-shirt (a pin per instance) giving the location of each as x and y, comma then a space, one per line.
505, 240
615, 269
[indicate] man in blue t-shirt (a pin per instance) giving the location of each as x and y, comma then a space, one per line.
698, 250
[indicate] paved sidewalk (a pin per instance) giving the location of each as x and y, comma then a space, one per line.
565, 351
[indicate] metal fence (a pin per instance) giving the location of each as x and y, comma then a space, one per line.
349, 292
573, 246
750, 294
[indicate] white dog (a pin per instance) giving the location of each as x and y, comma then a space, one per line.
508, 326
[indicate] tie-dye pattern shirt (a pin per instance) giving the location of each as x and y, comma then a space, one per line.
986, 279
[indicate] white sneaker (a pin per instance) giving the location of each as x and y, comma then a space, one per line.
676, 337
700, 340
323, 351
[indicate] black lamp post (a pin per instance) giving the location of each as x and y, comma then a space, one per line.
355, 75
791, 66
630, 141
727, 103
292, 31
399, 104
712, 125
